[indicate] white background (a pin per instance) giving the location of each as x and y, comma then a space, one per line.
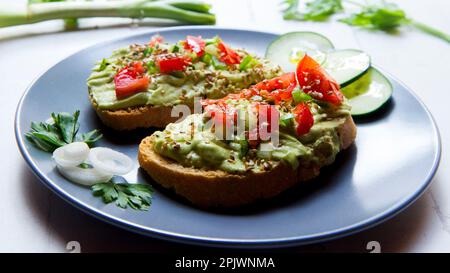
32, 219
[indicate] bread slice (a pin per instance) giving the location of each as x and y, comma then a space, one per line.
208, 188
135, 117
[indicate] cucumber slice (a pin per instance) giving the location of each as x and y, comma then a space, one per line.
368, 93
290, 48
346, 65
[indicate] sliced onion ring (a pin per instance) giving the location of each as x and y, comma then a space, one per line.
71, 155
107, 160
86, 177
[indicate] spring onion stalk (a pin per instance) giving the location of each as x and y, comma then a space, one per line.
186, 11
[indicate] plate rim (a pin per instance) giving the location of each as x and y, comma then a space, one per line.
216, 241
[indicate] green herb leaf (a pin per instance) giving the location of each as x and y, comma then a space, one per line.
103, 65
148, 50
299, 96
62, 130
67, 124
247, 63
85, 166
212, 41
287, 120
383, 16
137, 196
174, 48
90, 137
217, 64
379, 15
316, 10
152, 68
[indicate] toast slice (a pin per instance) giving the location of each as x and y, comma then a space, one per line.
135, 117
216, 188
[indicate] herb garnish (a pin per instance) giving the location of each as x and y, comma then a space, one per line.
378, 15
137, 196
62, 130
317, 10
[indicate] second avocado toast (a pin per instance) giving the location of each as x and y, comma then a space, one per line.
309, 117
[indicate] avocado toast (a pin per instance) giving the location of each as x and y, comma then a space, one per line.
305, 114
137, 86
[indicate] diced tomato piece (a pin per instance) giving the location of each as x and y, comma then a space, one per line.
248, 93
282, 82
130, 80
195, 44
157, 39
316, 82
304, 118
171, 62
228, 55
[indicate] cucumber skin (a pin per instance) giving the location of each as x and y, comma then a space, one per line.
344, 84
386, 101
354, 78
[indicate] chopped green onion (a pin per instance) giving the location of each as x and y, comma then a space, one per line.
286, 120
148, 51
85, 166
247, 62
103, 65
217, 64
151, 67
207, 58
244, 147
299, 96
174, 48
214, 40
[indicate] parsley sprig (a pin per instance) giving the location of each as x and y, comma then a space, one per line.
317, 10
379, 15
62, 130
123, 194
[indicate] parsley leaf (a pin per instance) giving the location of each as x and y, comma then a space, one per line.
379, 15
137, 196
387, 17
316, 10
62, 130
384, 16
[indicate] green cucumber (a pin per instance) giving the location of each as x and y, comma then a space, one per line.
346, 65
368, 93
289, 48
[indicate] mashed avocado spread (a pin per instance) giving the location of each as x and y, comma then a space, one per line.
206, 76
193, 143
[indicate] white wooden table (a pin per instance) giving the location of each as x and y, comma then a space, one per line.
32, 219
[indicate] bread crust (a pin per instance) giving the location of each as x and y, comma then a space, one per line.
216, 188
135, 117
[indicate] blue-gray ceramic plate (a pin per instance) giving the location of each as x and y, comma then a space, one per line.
392, 162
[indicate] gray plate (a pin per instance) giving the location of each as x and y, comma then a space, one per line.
393, 161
